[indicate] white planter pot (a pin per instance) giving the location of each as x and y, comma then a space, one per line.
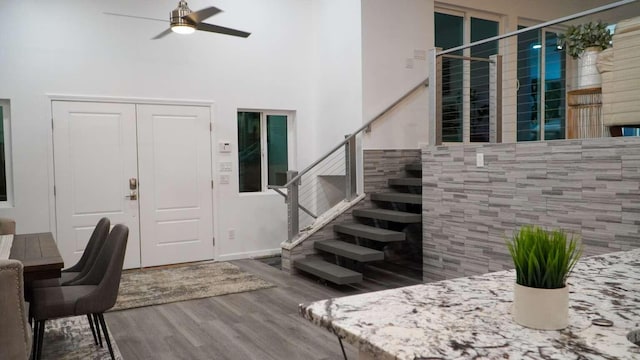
543, 309
588, 75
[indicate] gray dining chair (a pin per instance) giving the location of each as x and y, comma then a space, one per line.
82, 267
92, 294
15, 332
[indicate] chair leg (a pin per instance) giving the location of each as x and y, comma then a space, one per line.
97, 326
93, 330
106, 335
34, 343
41, 326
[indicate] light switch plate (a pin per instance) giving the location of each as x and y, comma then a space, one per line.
224, 179
225, 166
480, 160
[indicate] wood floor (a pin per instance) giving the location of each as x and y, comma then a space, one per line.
261, 324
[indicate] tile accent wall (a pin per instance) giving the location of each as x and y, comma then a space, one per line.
379, 165
589, 187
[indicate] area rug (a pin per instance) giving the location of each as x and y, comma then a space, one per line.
71, 339
145, 287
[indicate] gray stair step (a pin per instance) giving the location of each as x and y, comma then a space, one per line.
370, 232
328, 271
414, 167
389, 215
349, 251
406, 182
398, 197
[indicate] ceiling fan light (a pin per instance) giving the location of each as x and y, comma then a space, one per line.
183, 29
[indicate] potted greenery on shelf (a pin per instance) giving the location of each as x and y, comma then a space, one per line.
543, 261
584, 42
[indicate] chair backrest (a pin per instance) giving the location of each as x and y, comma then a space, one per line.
96, 241
15, 332
105, 273
7, 226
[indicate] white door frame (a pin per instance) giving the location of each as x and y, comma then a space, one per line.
49, 98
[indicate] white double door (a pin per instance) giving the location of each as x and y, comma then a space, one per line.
161, 154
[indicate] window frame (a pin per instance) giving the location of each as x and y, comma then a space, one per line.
264, 155
5, 104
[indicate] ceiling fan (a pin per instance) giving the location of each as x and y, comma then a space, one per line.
184, 21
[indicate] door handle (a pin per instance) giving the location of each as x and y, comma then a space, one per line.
132, 196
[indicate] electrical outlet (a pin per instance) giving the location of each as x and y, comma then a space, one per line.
232, 234
480, 160
224, 180
420, 54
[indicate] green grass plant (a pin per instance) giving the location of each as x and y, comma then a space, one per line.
543, 259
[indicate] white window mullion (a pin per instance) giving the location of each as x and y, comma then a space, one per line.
264, 165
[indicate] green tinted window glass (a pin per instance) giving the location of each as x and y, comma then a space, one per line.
448, 34
278, 162
3, 172
554, 89
479, 122
249, 152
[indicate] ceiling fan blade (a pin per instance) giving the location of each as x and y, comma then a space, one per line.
162, 34
135, 17
199, 16
222, 30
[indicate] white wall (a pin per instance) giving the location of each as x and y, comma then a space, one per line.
391, 31
71, 47
337, 70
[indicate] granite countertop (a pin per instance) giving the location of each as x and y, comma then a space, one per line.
471, 317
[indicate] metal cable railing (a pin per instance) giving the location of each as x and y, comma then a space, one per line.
528, 78
329, 180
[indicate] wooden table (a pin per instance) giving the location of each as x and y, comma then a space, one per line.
39, 255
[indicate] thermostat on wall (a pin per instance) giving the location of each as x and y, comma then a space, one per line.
224, 146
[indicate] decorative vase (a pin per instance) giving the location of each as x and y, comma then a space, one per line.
588, 75
543, 309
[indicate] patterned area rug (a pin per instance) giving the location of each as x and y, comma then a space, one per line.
71, 339
144, 287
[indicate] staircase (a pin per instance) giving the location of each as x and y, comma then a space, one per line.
395, 214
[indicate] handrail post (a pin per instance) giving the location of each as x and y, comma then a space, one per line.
495, 99
293, 218
350, 168
435, 97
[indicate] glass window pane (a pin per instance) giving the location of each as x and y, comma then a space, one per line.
480, 30
449, 33
529, 45
249, 152
3, 172
554, 96
278, 158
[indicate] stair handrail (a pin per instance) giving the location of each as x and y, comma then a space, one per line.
349, 137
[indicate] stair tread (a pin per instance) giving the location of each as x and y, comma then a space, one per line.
406, 181
370, 232
389, 215
350, 251
328, 271
414, 167
398, 197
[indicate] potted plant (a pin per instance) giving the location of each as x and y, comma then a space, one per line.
543, 261
584, 42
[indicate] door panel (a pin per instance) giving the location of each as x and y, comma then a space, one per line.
174, 152
94, 156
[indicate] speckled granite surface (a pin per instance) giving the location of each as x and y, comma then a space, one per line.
471, 317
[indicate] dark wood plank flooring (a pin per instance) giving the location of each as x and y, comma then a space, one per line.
261, 324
